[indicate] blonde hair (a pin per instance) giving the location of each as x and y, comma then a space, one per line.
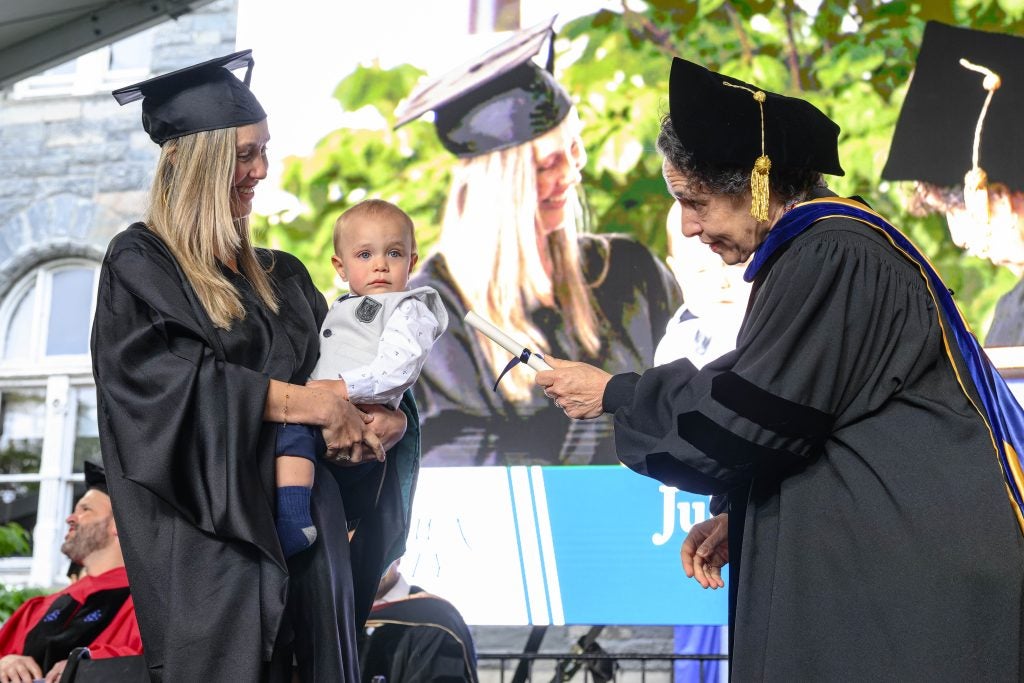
190, 210
373, 208
489, 242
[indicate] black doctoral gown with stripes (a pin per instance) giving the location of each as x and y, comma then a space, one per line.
871, 535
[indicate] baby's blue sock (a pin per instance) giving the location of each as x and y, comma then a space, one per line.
295, 527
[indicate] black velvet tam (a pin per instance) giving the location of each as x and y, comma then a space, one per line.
934, 136
499, 100
198, 98
721, 125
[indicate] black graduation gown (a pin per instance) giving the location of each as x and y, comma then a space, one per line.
190, 467
465, 422
871, 535
419, 639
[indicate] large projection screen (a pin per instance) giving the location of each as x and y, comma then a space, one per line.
557, 545
569, 545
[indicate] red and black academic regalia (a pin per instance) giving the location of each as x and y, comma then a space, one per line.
190, 467
871, 533
95, 612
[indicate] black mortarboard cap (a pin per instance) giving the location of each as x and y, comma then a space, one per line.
95, 477
197, 98
721, 125
499, 100
934, 138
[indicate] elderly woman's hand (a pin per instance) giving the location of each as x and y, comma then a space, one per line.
349, 437
577, 388
706, 550
389, 425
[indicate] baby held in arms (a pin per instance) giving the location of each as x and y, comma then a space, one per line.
375, 338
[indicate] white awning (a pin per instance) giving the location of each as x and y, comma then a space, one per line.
38, 34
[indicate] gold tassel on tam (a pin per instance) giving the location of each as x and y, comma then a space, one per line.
759, 188
976, 196
976, 180
759, 185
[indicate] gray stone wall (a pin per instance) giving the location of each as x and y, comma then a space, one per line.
74, 170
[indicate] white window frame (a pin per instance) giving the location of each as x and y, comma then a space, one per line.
39, 363
61, 377
91, 74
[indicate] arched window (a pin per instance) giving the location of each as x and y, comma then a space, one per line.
48, 313
47, 406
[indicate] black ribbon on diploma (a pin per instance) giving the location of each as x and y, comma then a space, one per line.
524, 357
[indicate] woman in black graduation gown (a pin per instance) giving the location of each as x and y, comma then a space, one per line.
512, 250
863, 513
201, 345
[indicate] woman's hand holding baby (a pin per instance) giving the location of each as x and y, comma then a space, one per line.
346, 429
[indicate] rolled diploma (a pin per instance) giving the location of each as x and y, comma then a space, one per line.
506, 342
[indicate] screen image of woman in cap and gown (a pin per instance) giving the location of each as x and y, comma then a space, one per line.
513, 250
959, 139
871, 523
202, 345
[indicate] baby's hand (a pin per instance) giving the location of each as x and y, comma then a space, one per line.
389, 425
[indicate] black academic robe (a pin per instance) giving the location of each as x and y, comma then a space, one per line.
871, 536
465, 422
419, 639
190, 467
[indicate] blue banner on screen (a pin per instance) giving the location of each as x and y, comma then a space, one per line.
557, 545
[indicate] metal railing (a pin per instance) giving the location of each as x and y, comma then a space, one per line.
593, 667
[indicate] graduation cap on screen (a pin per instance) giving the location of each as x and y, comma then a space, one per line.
95, 477
198, 98
724, 121
956, 119
499, 100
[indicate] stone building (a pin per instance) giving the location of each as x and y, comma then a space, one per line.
74, 170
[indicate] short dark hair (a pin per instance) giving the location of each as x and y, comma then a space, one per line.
786, 184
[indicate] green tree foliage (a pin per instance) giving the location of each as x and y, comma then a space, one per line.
616, 64
14, 540
11, 599
408, 167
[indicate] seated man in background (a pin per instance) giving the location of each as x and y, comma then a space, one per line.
413, 636
96, 611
